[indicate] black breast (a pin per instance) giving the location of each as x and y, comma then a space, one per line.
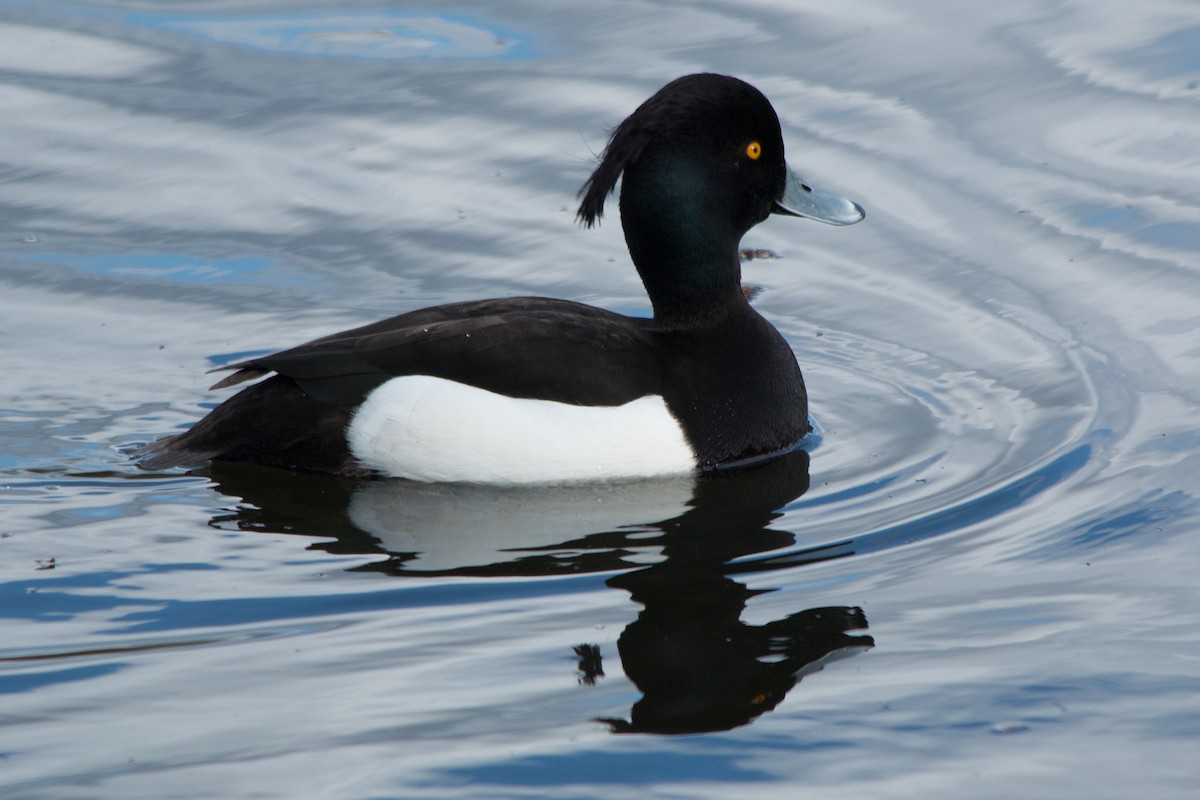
735, 387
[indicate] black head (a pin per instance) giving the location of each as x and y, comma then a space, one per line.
703, 163
718, 126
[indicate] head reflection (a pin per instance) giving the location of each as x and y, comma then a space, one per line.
698, 666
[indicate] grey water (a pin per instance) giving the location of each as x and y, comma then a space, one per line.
979, 579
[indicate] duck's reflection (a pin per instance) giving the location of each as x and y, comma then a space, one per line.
675, 544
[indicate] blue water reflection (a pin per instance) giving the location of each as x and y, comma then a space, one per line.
338, 33
1002, 362
34, 681
176, 268
1173, 55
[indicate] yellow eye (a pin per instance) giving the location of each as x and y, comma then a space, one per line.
753, 151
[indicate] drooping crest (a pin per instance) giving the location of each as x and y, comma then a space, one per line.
698, 103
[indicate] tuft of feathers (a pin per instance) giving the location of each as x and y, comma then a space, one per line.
684, 104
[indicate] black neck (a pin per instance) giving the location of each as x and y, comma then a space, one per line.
684, 250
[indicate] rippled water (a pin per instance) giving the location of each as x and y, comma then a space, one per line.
979, 581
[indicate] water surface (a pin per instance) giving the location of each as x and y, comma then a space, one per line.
979, 580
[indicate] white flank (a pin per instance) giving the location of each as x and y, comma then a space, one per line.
434, 430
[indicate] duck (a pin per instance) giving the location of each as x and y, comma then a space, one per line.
536, 390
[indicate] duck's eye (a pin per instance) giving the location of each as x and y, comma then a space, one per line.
753, 151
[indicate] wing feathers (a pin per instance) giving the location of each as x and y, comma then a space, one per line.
536, 348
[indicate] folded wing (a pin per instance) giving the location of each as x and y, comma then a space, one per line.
527, 347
